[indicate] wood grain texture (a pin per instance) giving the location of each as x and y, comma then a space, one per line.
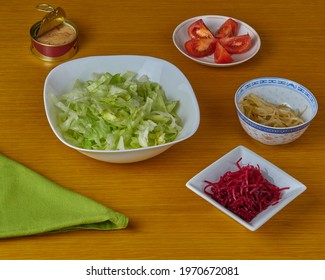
167, 221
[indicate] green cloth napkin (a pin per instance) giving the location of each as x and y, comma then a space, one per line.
31, 204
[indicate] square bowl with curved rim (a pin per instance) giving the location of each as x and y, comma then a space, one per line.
176, 86
271, 172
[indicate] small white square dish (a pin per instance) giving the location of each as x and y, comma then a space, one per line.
270, 172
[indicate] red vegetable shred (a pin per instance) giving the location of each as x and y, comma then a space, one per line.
244, 192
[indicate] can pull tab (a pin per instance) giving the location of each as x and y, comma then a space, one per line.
55, 17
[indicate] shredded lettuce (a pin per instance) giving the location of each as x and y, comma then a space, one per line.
117, 112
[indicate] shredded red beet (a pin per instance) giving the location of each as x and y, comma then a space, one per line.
244, 192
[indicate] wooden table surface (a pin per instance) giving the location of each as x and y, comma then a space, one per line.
167, 220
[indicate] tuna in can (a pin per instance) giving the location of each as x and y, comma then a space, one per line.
59, 43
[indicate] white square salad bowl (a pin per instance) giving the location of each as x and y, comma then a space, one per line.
176, 86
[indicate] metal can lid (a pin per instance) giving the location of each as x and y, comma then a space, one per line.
54, 17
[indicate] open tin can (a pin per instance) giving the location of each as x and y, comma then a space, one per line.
58, 40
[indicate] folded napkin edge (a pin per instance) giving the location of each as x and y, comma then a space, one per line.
99, 224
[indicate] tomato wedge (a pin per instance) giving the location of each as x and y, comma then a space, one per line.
236, 44
200, 47
222, 44
198, 30
221, 55
228, 29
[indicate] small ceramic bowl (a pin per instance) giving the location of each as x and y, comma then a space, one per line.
270, 172
277, 91
176, 86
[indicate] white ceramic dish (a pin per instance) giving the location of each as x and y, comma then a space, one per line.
213, 22
173, 81
277, 91
271, 172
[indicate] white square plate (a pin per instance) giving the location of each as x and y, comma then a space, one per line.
271, 172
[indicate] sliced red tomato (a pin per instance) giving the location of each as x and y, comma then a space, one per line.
200, 47
228, 29
236, 44
221, 55
198, 30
